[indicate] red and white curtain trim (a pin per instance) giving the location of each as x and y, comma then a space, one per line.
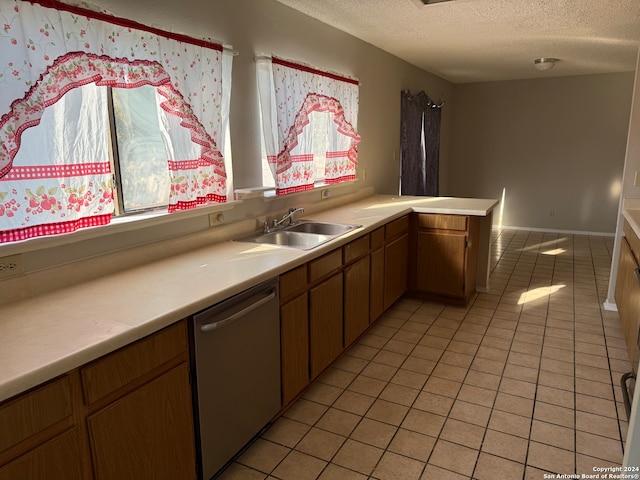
289, 93
48, 48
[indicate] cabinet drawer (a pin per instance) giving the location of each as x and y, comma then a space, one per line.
633, 240
108, 374
396, 227
377, 238
293, 282
356, 249
34, 411
442, 222
325, 265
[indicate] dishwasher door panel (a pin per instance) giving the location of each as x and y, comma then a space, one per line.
236, 346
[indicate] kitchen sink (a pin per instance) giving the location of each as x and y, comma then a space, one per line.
321, 228
304, 235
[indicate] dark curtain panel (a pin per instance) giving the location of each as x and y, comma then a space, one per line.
419, 144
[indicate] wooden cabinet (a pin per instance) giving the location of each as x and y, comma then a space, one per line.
627, 293
127, 415
356, 289
141, 420
38, 439
147, 433
325, 323
445, 249
396, 258
376, 274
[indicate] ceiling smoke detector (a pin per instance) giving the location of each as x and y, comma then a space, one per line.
544, 63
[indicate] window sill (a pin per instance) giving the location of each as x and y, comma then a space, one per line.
118, 225
268, 192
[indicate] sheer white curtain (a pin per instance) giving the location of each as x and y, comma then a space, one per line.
47, 52
289, 93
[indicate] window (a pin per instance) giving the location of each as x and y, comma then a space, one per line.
309, 125
163, 96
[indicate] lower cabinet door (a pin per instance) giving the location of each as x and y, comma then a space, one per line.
325, 320
147, 433
441, 263
294, 328
58, 458
356, 300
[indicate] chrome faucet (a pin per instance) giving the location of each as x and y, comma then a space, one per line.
288, 216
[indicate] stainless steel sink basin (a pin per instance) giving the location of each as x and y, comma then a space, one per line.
303, 235
322, 228
304, 241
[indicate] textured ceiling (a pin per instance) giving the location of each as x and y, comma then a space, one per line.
487, 40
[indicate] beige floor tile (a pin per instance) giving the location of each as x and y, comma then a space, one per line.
556, 380
556, 366
470, 413
358, 456
399, 394
493, 367
354, 402
490, 467
434, 341
599, 406
338, 421
367, 385
391, 359
263, 455
593, 373
387, 412
286, 432
322, 393
450, 372
513, 404
299, 466
491, 353
593, 360
526, 348
477, 395
517, 387
236, 471
336, 377
320, 443
397, 467
350, 364
305, 411
373, 340
551, 434
434, 403
558, 353
456, 359
469, 337
432, 472
427, 353
599, 447
423, 422
483, 380
597, 424
510, 423
335, 472
408, 378
555, 396
412, 444
519, 372
546, 412
505, 446
373, 432
442, 386
379, 371
496, 342
365, 352
595, 389
453, 457
552, 459
419, 365
523, 360
463, 433
396, 346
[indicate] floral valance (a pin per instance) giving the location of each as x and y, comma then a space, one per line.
289, 93
48, 49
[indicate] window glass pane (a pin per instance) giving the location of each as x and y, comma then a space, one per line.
142, 155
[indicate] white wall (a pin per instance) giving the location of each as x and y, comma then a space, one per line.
553, 145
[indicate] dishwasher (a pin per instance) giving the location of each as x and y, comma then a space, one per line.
236, 373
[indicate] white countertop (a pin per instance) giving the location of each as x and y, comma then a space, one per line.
46, 336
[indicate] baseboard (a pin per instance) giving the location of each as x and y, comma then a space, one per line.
552, 230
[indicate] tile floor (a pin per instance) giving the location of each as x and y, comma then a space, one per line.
522, 382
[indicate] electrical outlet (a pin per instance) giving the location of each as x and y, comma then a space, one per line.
325, 193
11, 265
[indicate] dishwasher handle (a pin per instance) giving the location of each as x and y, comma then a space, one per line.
208, 327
